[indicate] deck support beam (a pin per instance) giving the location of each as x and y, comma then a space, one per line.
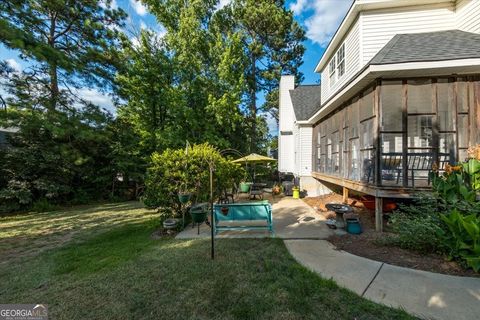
345, 195
379, 214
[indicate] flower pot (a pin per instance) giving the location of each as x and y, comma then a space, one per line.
198, 216
369, 203
353, 226
296, 193
184, 197
170, 223
244, 187
276, 190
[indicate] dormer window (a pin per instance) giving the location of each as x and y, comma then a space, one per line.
341, 61
332, 69
336, 67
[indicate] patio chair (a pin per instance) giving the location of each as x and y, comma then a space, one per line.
256, 190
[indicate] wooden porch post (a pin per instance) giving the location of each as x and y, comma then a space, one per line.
345, 195
379, 214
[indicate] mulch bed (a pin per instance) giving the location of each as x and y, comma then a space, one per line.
365, 245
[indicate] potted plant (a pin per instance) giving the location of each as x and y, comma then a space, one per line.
199, 213
276, 189
184, 195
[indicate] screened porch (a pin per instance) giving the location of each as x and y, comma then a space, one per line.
388, 137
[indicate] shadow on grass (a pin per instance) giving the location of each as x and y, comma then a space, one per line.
123, 273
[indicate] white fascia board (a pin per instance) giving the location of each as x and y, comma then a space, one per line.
426, 65
303, 122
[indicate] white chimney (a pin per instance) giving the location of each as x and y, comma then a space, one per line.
286, 123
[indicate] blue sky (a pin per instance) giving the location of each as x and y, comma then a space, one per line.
320, 18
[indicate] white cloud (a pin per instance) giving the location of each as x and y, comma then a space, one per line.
299, 6
139, 8
113, 4
95, 97
325, 18
143, 25
12, 63
221, 4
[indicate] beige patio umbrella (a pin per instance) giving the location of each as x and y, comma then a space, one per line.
254, 158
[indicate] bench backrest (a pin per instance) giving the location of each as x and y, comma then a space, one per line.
243, 211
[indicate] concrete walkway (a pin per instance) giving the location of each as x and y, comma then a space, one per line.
425, 294
292, 219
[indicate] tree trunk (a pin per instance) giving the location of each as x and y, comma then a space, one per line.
54, 91
52, 65
253, 106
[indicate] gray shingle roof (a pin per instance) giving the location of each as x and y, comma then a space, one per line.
305, 100
430, 46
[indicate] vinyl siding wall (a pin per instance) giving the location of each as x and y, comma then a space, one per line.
304, 151
380, 26
352, 62
468, 15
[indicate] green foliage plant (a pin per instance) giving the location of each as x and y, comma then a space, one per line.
188, 169
464, 237
418, 226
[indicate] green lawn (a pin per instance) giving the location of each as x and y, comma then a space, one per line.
101, 263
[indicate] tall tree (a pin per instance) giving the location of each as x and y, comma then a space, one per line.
72, 41
208, 68
146, 84
272, 41
62, 151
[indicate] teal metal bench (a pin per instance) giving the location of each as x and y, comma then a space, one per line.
248, 211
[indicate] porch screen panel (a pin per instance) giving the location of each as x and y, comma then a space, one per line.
420, 130
446, 105
462, 118
419, 96
354, 146
462, 128
462, 95
354, 169
391, 133
391, 102
366, 108
391, 158
366, 151
366, 135
446, 149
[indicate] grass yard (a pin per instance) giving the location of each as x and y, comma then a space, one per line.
101, 263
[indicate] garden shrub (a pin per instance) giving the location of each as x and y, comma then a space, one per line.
448, 222
418, 227
43, 205
464, 237
187, 170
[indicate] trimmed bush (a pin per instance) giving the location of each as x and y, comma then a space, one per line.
187, 171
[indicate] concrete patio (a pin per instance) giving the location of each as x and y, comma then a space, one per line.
292, 219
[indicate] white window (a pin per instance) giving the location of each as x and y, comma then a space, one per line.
332, 68
341, 61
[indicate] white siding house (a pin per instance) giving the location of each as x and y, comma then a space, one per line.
295, 140
400, 91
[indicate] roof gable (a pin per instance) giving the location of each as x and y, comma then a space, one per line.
305, 101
